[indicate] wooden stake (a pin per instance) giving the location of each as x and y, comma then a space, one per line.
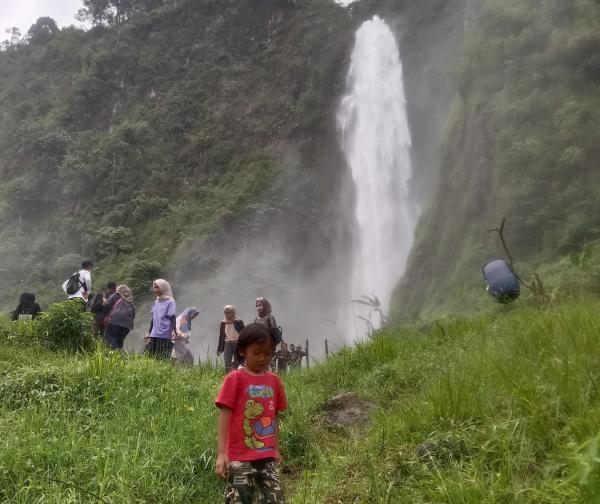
307, 361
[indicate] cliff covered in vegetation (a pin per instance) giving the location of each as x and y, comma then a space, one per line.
120, 142
521, 143
174, 133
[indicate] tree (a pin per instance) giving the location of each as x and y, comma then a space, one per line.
96, 11
143, 272
15, 35
123, 9
111, 241
106, 11
14, 40
148, 5
41, 31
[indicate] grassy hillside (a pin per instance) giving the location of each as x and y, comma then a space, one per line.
521, 143
496, 408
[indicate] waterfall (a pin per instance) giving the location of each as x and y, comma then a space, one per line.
376, 142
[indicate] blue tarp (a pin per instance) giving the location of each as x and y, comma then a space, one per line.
502, 282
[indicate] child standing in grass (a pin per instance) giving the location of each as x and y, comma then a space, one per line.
250, 399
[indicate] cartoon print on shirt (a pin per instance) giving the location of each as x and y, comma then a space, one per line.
257, 428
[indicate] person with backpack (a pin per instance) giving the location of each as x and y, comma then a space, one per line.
266, 318
27, 309
163, 325
79, 284
99, 308
119, 320
229, 332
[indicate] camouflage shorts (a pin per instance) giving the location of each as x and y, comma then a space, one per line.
245, 478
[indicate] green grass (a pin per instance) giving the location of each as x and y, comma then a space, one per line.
509, 403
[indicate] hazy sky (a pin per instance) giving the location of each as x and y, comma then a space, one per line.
23, 13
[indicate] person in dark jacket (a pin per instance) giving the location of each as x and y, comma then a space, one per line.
119, 320
266, 318
27, 307
100, 308
229, 332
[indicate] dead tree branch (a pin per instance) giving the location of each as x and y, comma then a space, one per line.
500, 231
536, 286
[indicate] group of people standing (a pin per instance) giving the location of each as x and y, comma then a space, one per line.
231, 326
169, 334
113, 309
114, 315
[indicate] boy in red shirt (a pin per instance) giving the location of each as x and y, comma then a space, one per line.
250, 399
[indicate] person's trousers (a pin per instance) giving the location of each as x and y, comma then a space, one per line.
114, 336
230, 356
159, 348
245, 479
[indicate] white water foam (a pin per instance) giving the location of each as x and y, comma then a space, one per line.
376, 142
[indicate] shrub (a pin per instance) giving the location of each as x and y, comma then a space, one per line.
143, 272
21, 332
64, 326
111, 241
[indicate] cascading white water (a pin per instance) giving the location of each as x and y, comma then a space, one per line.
376, 143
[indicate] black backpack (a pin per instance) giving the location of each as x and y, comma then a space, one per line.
96, 306
74, 283
276, 331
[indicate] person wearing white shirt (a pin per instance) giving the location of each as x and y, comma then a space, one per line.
85, 279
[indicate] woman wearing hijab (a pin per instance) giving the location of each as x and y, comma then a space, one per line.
181, 354
228, 335
265, 317
119, 320
27, 307
162, 327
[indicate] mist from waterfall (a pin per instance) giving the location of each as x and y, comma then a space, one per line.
376, 142
380, 216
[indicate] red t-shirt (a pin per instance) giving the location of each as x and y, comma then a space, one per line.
254, 402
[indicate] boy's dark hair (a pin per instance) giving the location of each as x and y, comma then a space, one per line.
253, 333
87, 264
111, 286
